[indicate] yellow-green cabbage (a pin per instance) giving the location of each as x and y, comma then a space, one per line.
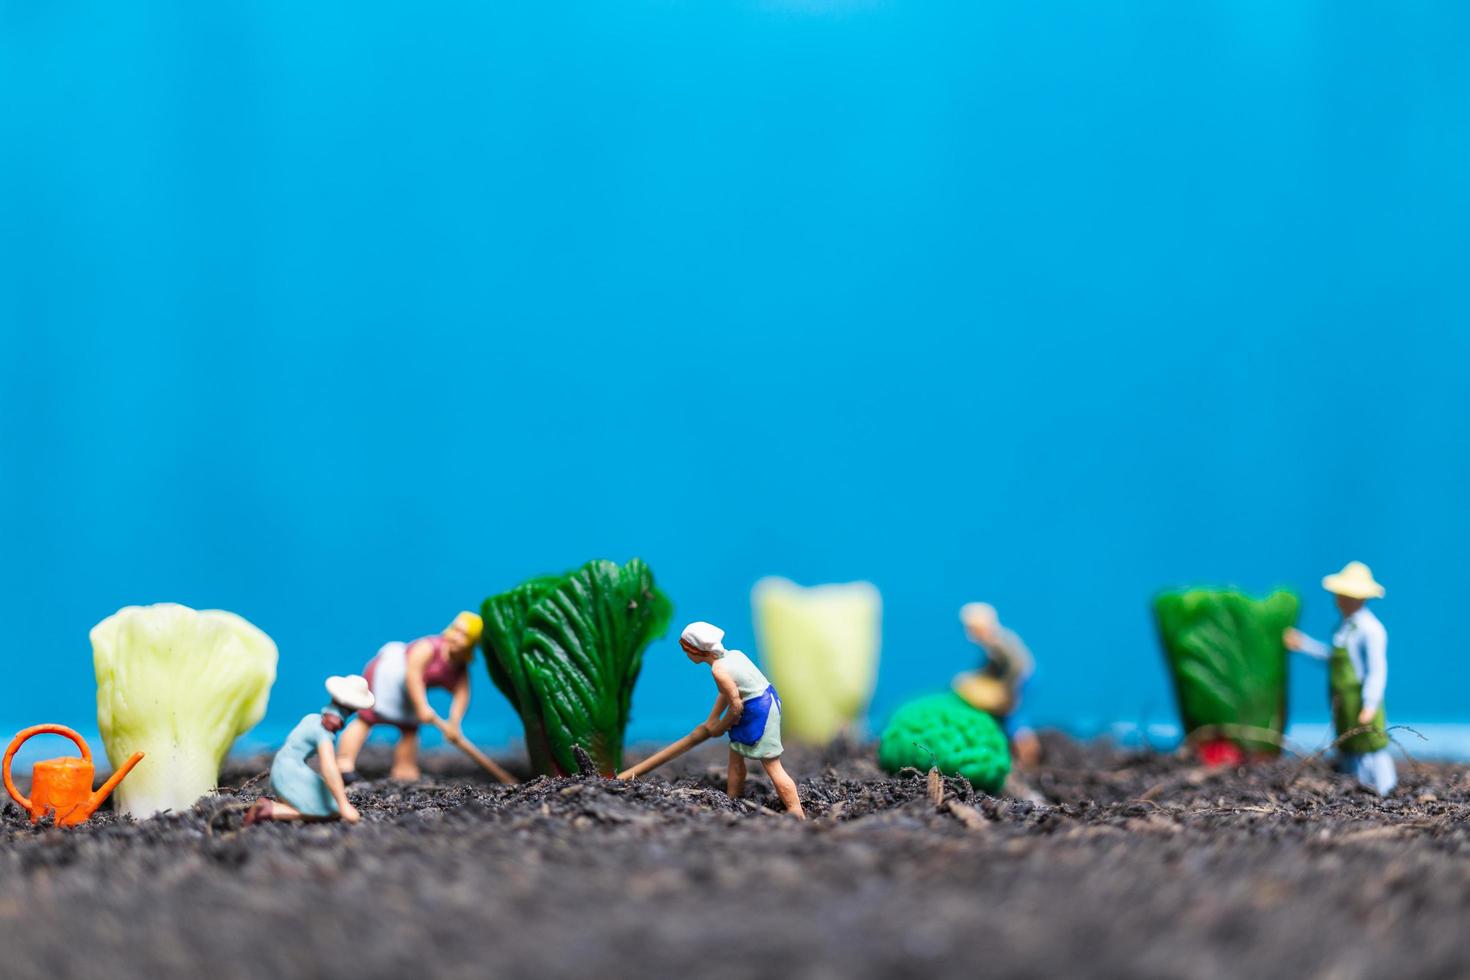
180, 685
820, 647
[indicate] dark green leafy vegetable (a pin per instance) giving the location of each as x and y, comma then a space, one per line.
1229, 663
505, 625
566, 650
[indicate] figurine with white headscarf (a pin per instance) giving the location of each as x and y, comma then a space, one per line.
748, 709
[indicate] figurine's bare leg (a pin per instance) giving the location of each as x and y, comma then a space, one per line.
785, 787
350, 743
1026, 748
265, 808
406, 757
737, 775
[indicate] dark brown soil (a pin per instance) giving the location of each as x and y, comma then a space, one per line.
1137, 866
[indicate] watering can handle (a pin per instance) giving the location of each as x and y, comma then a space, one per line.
21, 738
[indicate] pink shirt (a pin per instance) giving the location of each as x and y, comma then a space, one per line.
441, 671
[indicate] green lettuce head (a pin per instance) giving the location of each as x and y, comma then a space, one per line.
1225, 651
179, 685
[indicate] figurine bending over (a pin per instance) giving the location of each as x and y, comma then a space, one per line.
748, 708
400, 677
997, 688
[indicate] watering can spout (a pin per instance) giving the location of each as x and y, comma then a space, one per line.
105, 790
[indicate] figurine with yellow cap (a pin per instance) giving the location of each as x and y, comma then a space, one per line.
400, 677
1357, 676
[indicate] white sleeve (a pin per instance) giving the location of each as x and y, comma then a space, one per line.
1375, 661
1314, 648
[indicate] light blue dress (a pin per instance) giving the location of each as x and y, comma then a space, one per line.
293, 781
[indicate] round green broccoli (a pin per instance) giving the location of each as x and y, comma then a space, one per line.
942, 730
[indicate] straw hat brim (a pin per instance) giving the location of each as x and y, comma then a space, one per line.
983, 692
1352, 587
351, 692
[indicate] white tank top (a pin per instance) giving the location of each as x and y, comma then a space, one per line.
746, 675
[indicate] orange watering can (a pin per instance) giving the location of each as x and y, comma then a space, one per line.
62, 786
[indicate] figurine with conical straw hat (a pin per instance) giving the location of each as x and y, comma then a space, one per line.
1357, 675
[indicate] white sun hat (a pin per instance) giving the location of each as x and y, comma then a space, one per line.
1354, 581
351, 692
704, 637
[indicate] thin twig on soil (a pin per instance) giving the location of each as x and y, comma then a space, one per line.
967, 815
936, 788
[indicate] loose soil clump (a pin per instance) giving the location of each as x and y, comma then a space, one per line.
1102, 863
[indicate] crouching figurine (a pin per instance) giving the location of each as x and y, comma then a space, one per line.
751, 712
1357, 674
301, 793
997, 688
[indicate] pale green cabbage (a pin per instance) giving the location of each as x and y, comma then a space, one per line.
820, 647
180, 685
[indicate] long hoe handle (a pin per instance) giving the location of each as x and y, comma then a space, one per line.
700, 734
463, 744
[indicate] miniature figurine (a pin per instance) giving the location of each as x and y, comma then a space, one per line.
1357, 675
751, 712
304, 795
751, 709
400, 677
997, 687
62, 787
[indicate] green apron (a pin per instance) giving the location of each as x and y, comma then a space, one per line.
1346, 691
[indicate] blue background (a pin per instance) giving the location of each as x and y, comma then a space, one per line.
342, 316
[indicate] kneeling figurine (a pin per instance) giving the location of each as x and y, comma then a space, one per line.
301, 793
997, 688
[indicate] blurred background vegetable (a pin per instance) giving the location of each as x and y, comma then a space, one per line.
1225, 652
820, 647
